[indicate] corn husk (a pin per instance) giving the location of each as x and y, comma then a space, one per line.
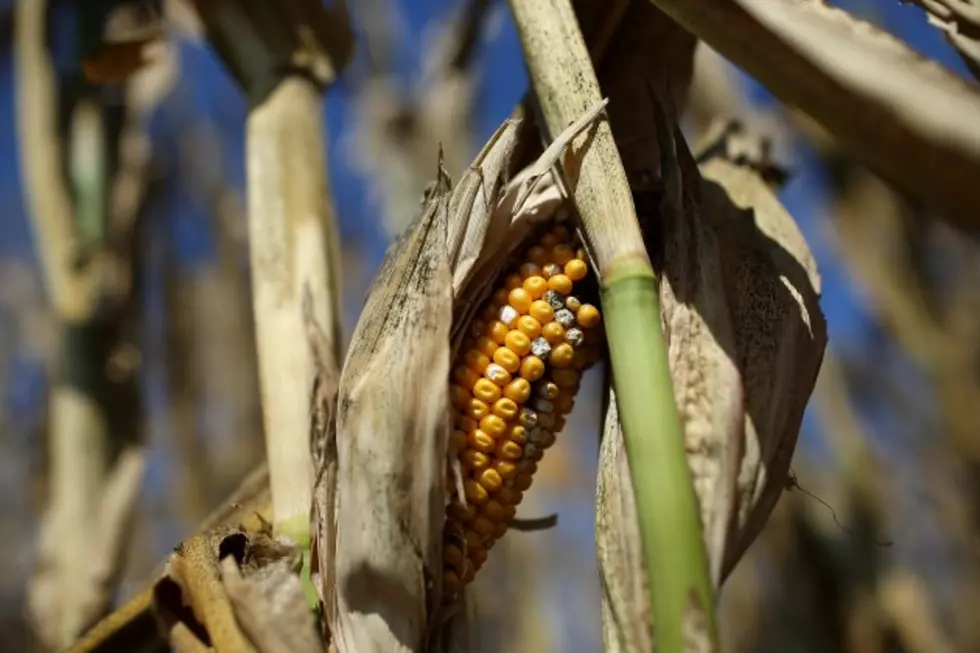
745, 335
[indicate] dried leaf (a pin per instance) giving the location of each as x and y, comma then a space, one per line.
392, 433
739, 294
773, 289
700, 342
959, 20
906, 117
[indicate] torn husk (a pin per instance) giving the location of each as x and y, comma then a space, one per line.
393, 420
740, 305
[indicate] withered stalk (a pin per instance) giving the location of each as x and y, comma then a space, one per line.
96, 461
292, 231
566, 86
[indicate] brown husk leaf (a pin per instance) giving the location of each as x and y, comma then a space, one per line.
745, 337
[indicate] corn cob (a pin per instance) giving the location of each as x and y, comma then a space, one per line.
511, 388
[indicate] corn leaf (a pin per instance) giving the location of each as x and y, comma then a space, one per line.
907, 118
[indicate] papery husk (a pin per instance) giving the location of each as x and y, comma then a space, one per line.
739, 293
392, 431
773, 288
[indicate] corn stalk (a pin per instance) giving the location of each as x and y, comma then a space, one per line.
565, 85
292, 229
87, 243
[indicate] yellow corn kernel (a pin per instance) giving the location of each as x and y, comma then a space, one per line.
519, 390
490, 479
473, 539
588, 316
561, 356
496, 331
505, 468
464, 376
509, 450
493, 510
477, 409
529, 326
553, 333
474, 459
486, 345
493, 426
527, 467
478, 554
476, 493
480, 440
532, 368
535, 287
518, 343
576, 269
497, 374
486, 390
542, 311
560, 284
507, 359
457, 441
547, 438
476, 360
505, 408
517, 434
520, 300
510, 496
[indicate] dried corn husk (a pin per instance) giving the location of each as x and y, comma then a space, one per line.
739, 293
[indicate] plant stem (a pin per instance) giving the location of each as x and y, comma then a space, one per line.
565, 85
292, 237
670, 526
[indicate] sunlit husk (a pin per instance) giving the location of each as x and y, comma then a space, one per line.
739, 295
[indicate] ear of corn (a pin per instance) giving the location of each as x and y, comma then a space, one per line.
512, 385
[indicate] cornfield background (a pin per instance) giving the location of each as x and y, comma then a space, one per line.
874, 548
